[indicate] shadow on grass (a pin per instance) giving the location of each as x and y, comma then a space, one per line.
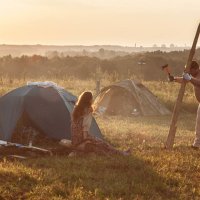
14, 186
113, 178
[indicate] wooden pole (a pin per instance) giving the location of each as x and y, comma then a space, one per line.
97, 87
173, 126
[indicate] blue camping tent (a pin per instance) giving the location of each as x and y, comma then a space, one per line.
47, 108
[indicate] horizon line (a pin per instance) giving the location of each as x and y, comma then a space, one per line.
86, 45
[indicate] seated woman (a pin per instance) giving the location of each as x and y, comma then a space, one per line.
80, 126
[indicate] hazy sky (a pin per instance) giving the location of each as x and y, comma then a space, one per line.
88, 22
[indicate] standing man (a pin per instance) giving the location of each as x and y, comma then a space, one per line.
193, 76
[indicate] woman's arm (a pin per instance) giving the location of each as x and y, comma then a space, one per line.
87, 120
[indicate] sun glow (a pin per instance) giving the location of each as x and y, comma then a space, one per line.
98, 22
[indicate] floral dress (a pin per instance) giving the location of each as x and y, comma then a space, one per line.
77, 132
81, 136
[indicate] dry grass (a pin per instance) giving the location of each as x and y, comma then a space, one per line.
151, 172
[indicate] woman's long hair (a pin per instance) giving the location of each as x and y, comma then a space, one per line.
84, 102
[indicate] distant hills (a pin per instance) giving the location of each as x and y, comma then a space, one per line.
74, 50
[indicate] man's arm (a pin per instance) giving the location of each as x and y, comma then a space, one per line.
178, 79
189, 78
175, 79
195, 81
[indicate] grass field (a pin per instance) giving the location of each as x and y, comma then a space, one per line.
151, 172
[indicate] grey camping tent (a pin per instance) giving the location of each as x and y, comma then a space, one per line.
48, 109
128, 97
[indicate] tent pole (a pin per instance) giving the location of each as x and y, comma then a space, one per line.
173, 126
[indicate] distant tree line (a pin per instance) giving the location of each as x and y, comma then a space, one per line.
101, 53
141, 65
